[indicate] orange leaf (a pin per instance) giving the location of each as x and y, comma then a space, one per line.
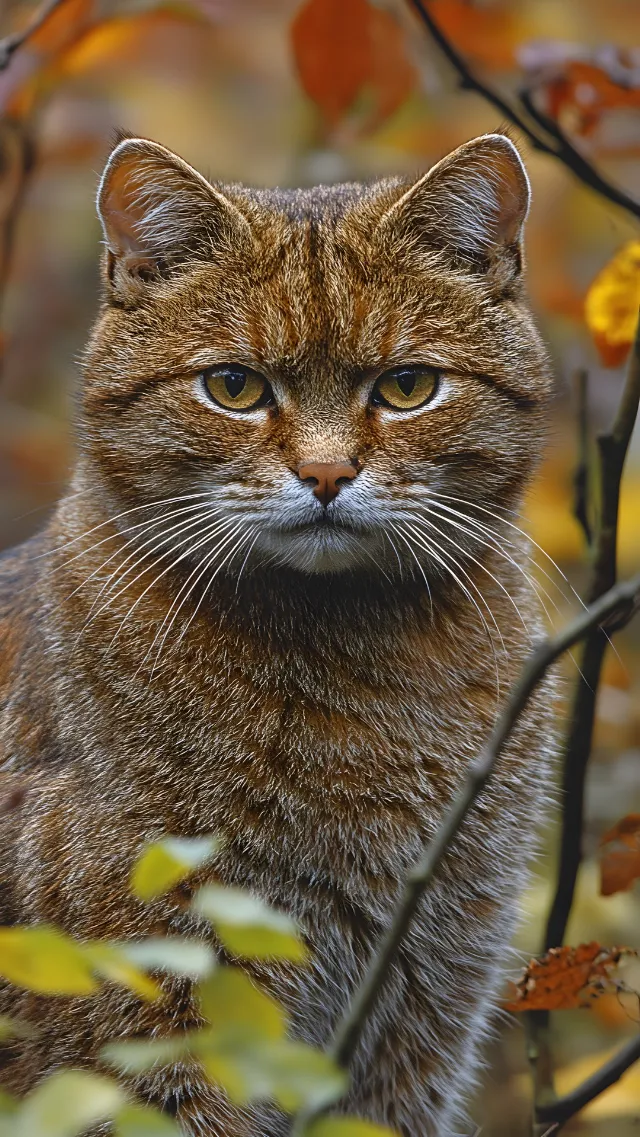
332, 52
611, 305
393, 76
62, 26
566, 978
619, 868
588, 90
487, 34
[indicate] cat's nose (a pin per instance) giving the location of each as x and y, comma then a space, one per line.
327, 476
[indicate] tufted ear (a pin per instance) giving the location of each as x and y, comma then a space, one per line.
157, 214
472, 205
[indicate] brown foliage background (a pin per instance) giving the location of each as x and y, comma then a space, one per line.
265, 91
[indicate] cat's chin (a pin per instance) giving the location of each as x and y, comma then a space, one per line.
322, 550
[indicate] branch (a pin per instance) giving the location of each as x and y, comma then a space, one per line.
544, 133
621, 601
581, 475
565, 1108
11, 43
612, 448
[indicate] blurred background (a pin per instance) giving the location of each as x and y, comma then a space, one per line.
224, 83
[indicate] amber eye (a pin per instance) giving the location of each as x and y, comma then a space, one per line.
405, 388
236, 388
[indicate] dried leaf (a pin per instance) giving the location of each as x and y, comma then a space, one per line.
619, 868
331, 47
567, 977
392, 74
611, 306
487, 33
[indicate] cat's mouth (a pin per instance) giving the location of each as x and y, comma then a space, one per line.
320, 544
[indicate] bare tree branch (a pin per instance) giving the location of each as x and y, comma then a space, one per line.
11, 43
582, 496
543, 133
621, 601
612, 447
564, 1108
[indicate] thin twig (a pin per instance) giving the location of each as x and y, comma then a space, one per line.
621, 600
612, 447
564, 1108
582, 496
11, 43
546, 137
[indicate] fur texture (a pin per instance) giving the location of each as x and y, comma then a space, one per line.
196, 645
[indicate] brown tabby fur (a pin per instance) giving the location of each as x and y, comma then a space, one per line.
317, 703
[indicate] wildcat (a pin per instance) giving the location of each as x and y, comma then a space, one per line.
281, 602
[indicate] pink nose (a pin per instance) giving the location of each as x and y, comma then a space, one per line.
328, 477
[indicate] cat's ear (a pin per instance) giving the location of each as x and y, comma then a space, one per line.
158, 214
472, 206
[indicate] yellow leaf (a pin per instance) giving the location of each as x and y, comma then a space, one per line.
348, 1127
233, 1004
165, 863
67, 1104
612, 302
45, 960
247, 926
112, 962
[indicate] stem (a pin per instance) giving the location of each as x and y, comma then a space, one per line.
545, 136
621, 600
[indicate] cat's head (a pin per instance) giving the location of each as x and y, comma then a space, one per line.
326, 377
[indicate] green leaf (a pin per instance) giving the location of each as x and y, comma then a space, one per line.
45, 960
191, 958
247, 926
235, 1006
113, 963
348, 1127
14, 1028
136, 1057
165, 863
290, 1073
143, 1121
67, 1104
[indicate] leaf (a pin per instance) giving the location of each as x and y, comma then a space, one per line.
611, 305
348, 1127
292, 1074
142, 1121
45, 960
247, 926
112, 962
133, 1056
14, 1028
67, 1103
391, 73
567, 977
233, 1004
165, 863
331, 48
488, 33
619, 868
174, 954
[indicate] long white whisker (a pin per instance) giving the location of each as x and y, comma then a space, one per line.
427, 546
404, 538
116, 516
187, 589
446, 536
207, 535
143, 528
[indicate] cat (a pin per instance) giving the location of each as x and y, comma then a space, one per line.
282, 601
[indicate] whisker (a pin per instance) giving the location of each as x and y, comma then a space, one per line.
143, 527
188, 591
116, 516
403, 537
214, 528
426, 545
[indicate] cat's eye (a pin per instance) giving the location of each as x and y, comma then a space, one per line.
237, 388
405, 388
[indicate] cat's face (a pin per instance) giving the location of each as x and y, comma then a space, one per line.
322, 378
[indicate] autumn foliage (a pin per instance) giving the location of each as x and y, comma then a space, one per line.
568, 977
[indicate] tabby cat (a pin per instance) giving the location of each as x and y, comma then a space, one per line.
282, 601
